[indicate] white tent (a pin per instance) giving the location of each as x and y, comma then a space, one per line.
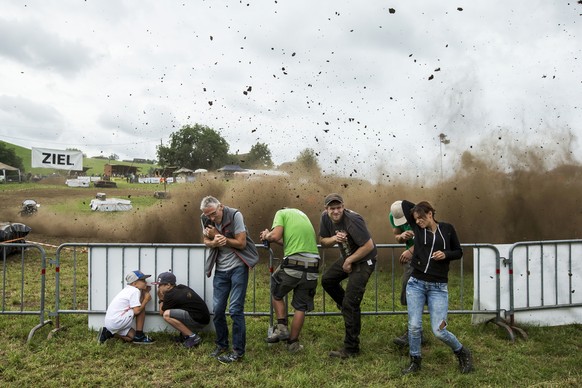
4, 168
184, 175
184, 170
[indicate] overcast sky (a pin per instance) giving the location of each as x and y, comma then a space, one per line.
369, 85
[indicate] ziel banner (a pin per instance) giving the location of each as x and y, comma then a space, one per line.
59, 159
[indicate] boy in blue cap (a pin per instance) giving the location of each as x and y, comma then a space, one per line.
128, 303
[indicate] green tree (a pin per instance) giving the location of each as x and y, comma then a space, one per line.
194, 147
307, 161
259, 156
8, 156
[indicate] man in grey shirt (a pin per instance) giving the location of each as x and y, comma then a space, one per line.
233, 253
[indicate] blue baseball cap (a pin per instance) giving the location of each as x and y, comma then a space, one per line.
134, 276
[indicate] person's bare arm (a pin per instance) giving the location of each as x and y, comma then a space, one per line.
275, 235
146, 298
328, 242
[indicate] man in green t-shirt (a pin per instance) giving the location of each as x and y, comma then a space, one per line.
298, 272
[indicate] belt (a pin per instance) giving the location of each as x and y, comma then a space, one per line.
305, 264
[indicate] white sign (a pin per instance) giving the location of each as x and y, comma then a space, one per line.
58, 159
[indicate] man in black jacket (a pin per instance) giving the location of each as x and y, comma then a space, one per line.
357, 260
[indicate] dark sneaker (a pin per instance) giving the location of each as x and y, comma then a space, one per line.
465, 360
280, 333
180, 339
218, 351
230, 358
401, 341
142, 340
294, 347
342, 353
104, 335
193, 340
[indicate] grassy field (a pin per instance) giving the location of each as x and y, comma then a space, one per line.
72, 357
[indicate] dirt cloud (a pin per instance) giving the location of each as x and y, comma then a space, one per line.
486, 205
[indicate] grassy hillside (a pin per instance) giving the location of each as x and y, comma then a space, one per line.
95, 164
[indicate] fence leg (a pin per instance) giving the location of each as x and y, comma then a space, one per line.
520, 331
503, 324
34, 329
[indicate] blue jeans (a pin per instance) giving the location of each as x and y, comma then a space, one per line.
234, 283
436, 295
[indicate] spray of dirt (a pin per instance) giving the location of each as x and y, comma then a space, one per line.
487, 204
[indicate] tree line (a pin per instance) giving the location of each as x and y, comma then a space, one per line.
199, 146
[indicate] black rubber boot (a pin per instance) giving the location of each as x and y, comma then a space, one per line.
414, 366
465, 360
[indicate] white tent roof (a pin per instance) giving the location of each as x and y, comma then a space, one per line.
7, 167
183, 170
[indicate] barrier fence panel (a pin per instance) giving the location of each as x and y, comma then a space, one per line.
94, 273
99, 271
24, 281
538, 278
545, 276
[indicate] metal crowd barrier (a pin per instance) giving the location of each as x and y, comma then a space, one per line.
108, 264
382, 296
545, 275
388, 258
17, 295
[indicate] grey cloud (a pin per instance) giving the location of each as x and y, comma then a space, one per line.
36, 47
26, 117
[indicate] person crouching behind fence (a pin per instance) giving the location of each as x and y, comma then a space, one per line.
298, 272
182, 308
435, 245
128, 303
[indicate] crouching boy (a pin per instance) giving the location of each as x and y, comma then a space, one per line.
128, 303
182, 308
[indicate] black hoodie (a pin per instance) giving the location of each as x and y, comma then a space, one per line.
425, 243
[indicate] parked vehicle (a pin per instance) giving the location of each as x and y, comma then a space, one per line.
106, 184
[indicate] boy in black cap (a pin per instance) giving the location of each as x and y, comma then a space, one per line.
128, 303
182, 308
